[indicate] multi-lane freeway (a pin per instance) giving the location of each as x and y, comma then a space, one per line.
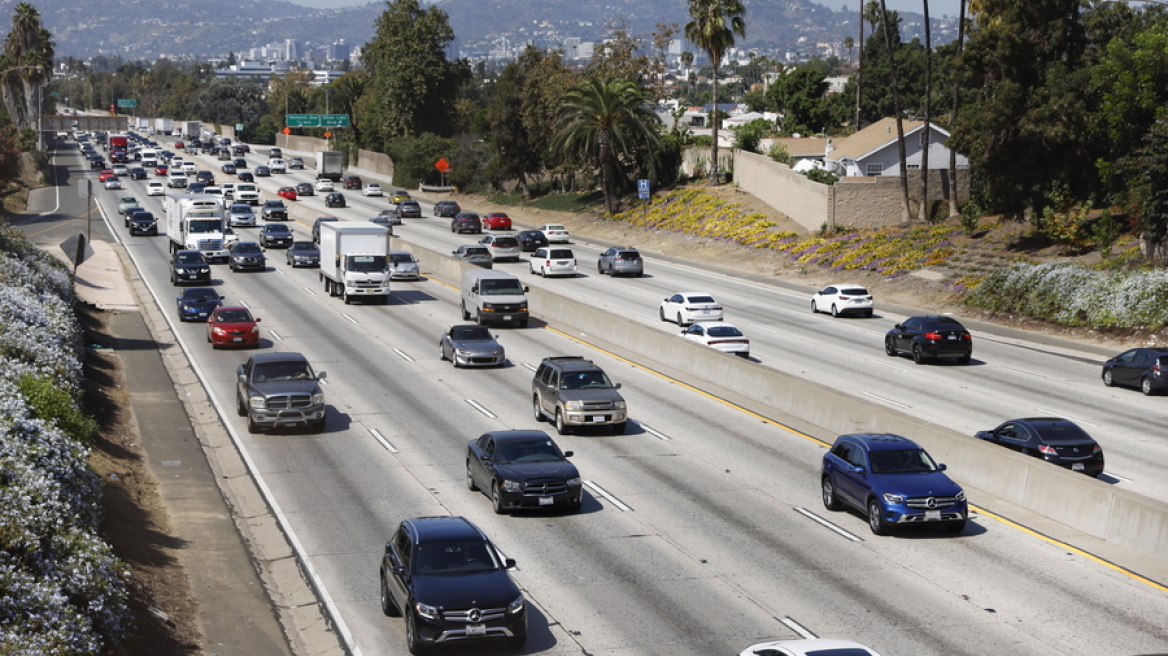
702, 529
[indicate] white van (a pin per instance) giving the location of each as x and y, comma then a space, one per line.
490, 296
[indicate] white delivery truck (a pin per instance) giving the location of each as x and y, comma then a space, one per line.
191, 129
354, 260
194, 222
163, 125
149, 157
329, 164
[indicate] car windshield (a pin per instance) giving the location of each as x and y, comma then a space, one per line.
506, 242
501, 287
276, 228
723, 331
902, 461
560, 254
367, 262
540, 450
247, 247
455, 558
234, 316
277, 371
585, 380
1054, 432
303, 246
476, 250
700, 299
471, 334
556, 228
241, 209
203, 294
401, 258
941, 325
189, 258
854, 291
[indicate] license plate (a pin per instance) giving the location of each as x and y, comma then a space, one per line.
506, 317
476, 629
192, 276
951, 337
237, 339
932, 515
1077, 466
598, 419
545, 501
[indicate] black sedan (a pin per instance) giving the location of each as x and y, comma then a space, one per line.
305, 189
275, 235
137, 173
335, 199
196, 303
189, 266
142, 222
246, 176
247, 256
1145, 368
262, 171
1057, 441
529, 240
446, 208
928, 338
522, 469
302, 253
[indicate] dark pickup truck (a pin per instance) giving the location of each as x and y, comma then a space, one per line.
279, 389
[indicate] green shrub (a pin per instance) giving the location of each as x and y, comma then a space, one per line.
53, 404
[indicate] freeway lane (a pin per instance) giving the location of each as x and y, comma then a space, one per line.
711, 553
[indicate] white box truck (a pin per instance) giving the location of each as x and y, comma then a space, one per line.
194, 222
191, 129
329, 164
163, 125
354, 260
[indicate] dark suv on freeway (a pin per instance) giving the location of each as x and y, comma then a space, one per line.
573, 392
928, 338
893, 480
448, 580
279, 389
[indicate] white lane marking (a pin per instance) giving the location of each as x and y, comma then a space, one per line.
348, 318
886, 363
403, 355
655, 433
474, 404
1023, 373
245, 304
599, 491
384, 442
1118, 477
648, 319
281, 272
888, 401
797, 628
529, 366
275, 335
829, 525
310, 292
758, 326
1051, 413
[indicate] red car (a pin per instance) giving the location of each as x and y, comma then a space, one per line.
287, 192
497, 221
233, 326
161, 170
179, 144
106, 174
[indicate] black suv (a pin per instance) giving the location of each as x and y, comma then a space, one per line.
279, 389
574, 392
189, 266
274, 210
928, 338
449, 580
466, 222
446, 208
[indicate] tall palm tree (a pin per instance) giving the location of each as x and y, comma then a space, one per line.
926, 134
603, 122
27, 60
954, 210
712, 26
884, 19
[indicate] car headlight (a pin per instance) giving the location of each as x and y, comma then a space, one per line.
573, 482
515, 606
257, 402
893, 499
512, 486
318, 398
426, 611
960, 496
619, 405
461, 351
574, 406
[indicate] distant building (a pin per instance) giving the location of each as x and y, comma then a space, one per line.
291, 50
338, 51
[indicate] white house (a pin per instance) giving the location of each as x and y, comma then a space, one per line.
872, 151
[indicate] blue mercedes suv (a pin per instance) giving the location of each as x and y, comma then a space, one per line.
893, 480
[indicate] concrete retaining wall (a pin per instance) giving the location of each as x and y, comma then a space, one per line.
1087, 505
805, 202
377, 163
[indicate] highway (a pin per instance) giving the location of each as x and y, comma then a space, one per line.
702, 530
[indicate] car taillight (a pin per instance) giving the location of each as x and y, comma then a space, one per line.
931, 335
1097, 449
1047, 449
1156, 367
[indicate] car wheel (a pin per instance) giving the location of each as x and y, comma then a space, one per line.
814, 308
964, 359
389, 608
955, 527
1146, 387
252, 427
1108, 380
599, 269
829, 499
561, 427
496, 500
517, 642
412, 642
470, 482
876, 518
441, 352
868, 313
240, 409
679, 321
317, 426
619, 429
661, 313
465, 314
834, 310
890, 347
918, 356
535, 409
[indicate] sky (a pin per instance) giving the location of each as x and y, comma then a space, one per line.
936, 7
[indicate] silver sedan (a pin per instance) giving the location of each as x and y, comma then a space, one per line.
471, 345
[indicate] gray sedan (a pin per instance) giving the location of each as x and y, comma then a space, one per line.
471, 345
241, 215
403, 266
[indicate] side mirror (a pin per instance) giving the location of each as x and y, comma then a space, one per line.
321, 375
569, 454
942, 467
858, 469
525, 289
398, 570
617, 386
509, 563
257, 319
899, 326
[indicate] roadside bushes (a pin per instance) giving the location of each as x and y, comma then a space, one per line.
1076, 295
61, 589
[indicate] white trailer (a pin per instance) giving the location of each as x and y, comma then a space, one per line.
329, 164
191, 129
354, 260
194, 222
163, 125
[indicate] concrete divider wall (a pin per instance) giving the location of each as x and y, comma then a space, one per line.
1090, 506
806, 202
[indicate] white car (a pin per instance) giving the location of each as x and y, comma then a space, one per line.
372, 189
176, 180
555, 233
112, 182
842, 299
685, 308
720, 335
823, 646
213, 191
553, 261
324, 184
155, 188
188, 167
121, 169
277, 166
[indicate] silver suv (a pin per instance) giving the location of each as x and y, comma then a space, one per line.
573, 392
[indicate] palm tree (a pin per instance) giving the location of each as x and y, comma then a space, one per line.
712, 28
884, 19
27, 62
926, 134
603, 122
954, 210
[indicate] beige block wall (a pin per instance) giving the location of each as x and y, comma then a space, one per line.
378, 163
806, 202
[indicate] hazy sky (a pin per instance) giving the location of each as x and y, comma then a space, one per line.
936, 7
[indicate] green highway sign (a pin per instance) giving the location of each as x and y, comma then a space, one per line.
127, 102
239, 127
316, 120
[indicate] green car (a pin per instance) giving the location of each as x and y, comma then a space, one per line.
125, 203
